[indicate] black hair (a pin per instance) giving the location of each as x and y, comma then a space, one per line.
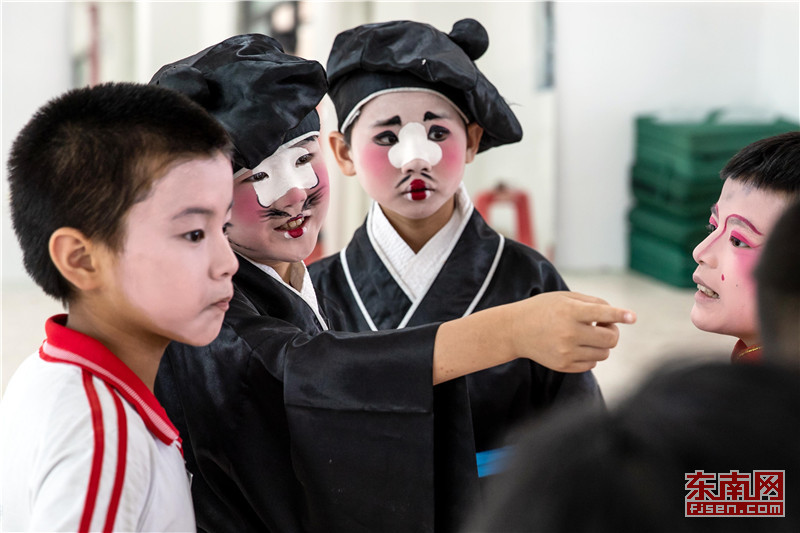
88, 155
588, 470
772, 164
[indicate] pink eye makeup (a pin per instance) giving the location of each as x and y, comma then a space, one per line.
739, 237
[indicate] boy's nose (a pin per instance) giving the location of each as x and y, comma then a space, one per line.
416, 166
292, 198
224, 263
703, 253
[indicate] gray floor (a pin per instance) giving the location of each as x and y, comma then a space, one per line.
663, 330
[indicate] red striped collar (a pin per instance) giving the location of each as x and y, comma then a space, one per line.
64, 345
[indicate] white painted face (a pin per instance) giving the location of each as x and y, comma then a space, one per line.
413, 143
282, 173
409, 150
287, 229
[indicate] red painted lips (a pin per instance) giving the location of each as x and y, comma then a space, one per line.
418, 190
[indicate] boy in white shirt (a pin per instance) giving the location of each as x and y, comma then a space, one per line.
119, 197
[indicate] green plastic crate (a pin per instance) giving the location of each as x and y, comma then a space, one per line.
662, 260
685, 233
699, 148
671, 162
711, 135
672, 193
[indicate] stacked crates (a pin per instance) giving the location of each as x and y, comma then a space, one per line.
675, 181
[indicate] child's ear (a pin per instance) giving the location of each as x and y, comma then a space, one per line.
341, 151
474, 134
76, 257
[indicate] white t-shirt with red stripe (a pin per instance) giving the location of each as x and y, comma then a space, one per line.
86, 446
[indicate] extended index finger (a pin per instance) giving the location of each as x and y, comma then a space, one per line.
586, 298
606, 314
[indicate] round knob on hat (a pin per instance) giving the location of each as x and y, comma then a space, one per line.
470, 36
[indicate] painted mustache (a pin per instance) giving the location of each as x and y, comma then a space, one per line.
410, 175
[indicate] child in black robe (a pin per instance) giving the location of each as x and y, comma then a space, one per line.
413, 110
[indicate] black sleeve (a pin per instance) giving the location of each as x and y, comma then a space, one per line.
297, 432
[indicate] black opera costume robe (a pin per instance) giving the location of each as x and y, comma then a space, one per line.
483, 270
287, 427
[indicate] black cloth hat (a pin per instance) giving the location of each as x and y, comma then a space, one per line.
403, 54
259, 93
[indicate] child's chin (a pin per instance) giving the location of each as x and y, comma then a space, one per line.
700, 323
200, 342
293, 255
206, 337
419, 211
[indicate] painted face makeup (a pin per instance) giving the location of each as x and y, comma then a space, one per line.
409, 150
740, 222
286, 229
413, 143
279, 173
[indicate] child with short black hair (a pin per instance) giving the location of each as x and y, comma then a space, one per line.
119, 196
761, 181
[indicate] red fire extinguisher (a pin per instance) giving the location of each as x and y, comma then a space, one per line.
519, 201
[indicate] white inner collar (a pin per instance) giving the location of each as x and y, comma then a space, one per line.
415, 273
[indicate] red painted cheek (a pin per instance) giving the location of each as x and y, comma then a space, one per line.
453, 157
246, 208
375, 161
322, 173
747, 261
723, 277
743, 265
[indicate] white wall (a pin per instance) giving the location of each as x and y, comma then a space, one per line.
37, 43
34, 70
136, 39
168, 31
616, 60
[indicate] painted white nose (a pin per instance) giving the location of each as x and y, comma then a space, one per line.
413, 143
284, 175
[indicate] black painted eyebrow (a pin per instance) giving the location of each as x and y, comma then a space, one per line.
394, 121
431, 116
